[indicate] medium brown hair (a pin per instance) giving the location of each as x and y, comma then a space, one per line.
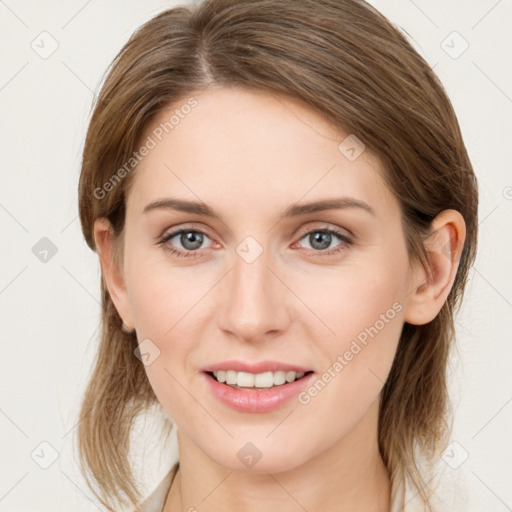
348, 63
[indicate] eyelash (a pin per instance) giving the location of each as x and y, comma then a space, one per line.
347, 241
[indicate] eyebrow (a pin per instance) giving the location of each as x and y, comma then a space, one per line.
294, 210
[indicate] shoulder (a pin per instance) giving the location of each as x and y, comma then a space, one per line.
156, 500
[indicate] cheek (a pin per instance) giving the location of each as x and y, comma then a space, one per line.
350, 300
362, 307
159, 295
370, 310
162, 301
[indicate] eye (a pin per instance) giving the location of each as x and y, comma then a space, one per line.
320, 240
190, 240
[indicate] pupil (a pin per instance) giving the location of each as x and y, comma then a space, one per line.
193, 238
318, 238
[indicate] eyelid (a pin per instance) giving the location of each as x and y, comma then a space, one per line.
174, 230
322, 225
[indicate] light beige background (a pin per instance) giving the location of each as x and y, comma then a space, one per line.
49, 310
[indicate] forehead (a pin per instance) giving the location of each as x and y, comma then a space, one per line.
252, 149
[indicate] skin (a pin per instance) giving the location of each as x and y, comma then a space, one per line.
250, 155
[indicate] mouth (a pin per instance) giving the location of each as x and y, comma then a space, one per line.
256, 382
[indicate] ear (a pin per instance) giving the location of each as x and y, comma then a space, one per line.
113, 276
431, 286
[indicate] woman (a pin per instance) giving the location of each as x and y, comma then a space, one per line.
285, 215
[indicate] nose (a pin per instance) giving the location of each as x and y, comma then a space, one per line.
254, 300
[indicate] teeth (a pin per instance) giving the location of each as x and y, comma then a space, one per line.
230, 377
260, 380
246, 380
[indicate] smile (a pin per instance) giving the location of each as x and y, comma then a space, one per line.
241, 380
259, 393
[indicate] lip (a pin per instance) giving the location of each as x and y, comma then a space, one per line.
259, 367
257, 401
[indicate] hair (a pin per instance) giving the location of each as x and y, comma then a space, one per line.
349, 64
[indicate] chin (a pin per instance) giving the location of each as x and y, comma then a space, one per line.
257, 459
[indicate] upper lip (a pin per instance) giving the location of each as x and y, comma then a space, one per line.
259, 367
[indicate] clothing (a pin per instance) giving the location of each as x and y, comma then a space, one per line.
156, 500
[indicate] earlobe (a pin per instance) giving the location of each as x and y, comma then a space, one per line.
112, 274
431, 284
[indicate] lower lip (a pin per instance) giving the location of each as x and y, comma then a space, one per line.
267, 399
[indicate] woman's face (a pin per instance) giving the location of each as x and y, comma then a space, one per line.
263, 279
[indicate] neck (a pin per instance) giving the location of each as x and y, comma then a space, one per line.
350, 476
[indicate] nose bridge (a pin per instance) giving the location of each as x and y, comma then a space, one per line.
255, 301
